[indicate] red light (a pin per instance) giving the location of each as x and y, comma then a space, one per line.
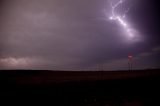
130, 56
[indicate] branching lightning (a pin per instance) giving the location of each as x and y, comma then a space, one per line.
121, 20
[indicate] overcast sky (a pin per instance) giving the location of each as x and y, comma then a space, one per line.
78, 35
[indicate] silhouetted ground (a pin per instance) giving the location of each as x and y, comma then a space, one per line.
68, 88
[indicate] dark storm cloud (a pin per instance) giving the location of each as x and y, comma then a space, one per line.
63, 34
146, 17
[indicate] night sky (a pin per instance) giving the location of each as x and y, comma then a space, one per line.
78, 34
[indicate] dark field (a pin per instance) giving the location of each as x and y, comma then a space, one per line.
118, 88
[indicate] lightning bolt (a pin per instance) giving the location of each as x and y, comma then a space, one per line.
121, 19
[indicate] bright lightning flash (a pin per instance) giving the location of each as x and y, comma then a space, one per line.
131, 33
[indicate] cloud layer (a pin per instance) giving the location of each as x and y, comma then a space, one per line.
65, 35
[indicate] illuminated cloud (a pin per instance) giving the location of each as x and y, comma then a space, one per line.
22, 62
131, 34
14, 62
74, 34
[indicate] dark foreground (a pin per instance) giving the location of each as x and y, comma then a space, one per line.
121, 88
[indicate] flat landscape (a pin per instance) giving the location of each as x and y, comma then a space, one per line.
36, 77
78, 88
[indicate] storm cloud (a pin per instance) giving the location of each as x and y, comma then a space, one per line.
66, 35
